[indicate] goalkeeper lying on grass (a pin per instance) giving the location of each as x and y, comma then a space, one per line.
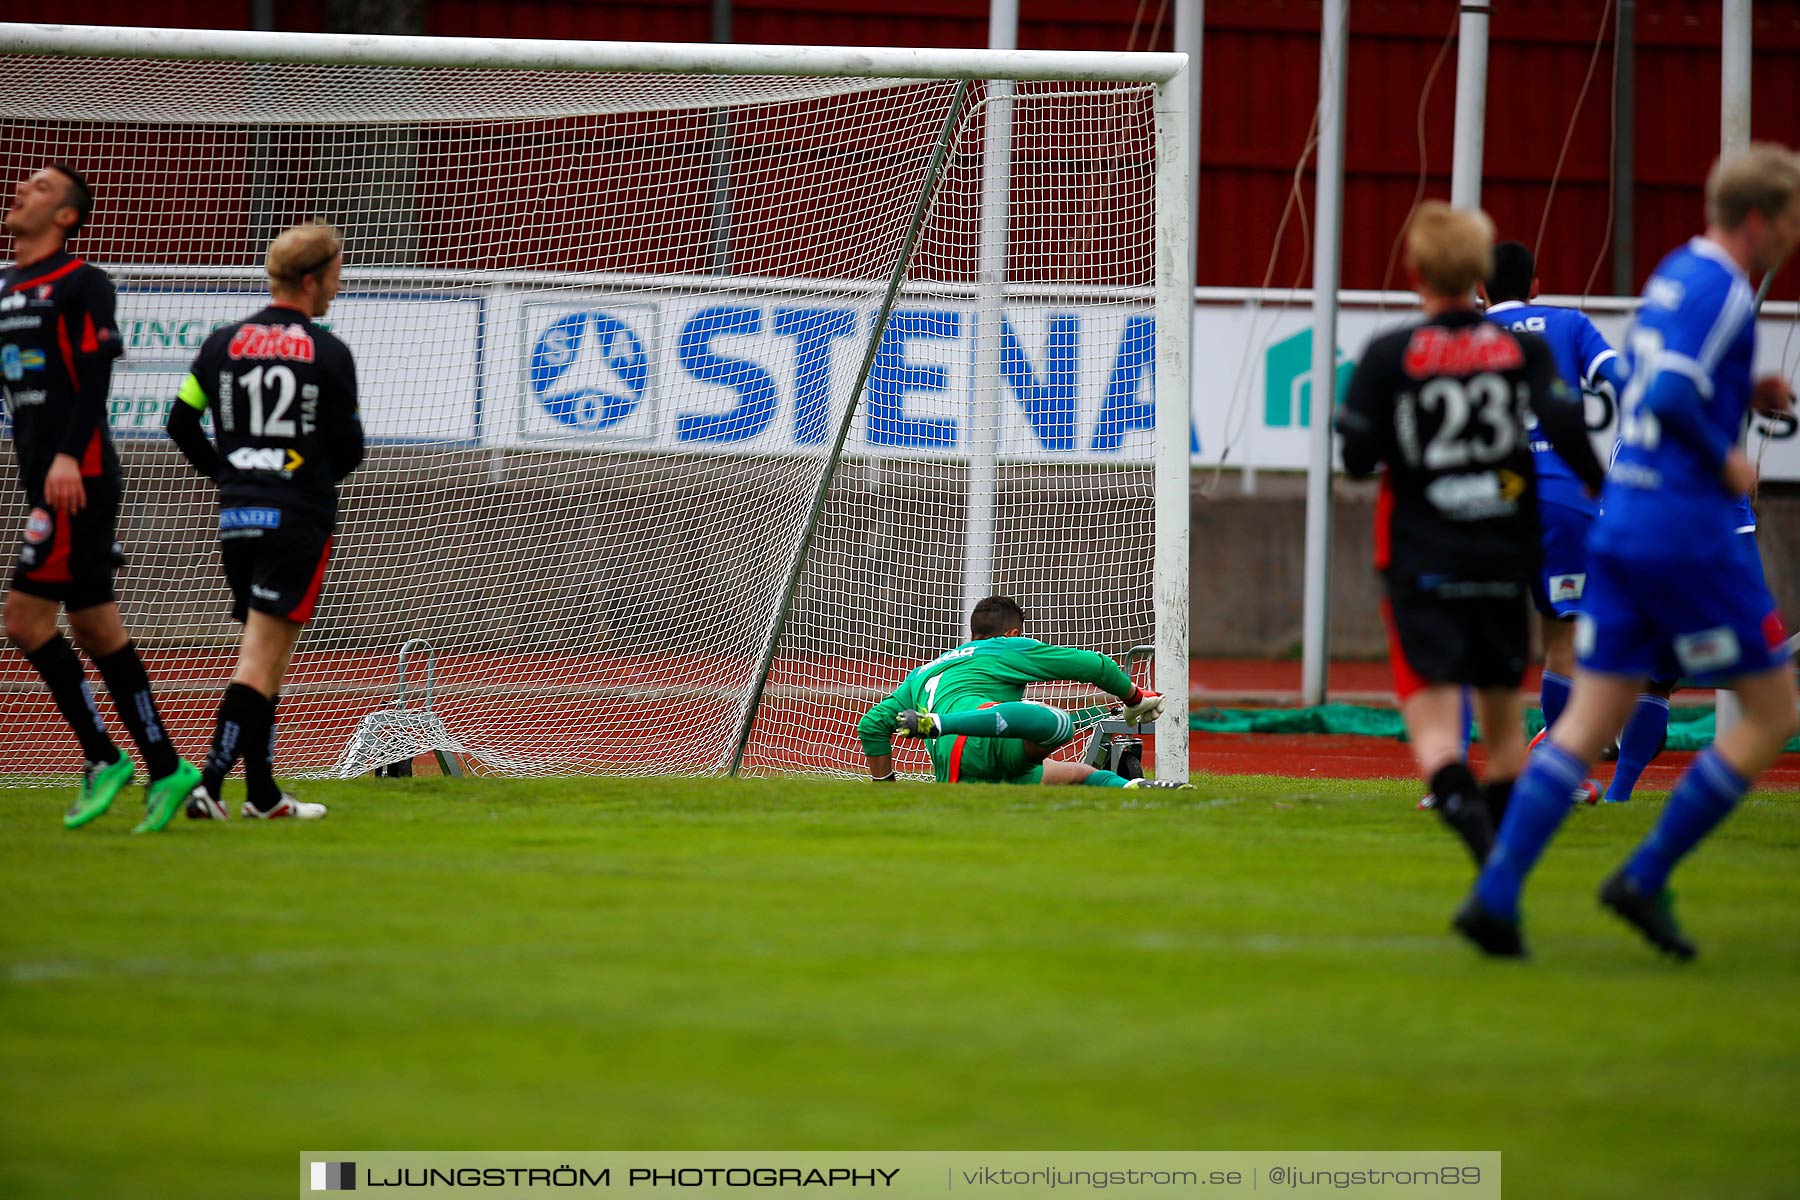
967, 706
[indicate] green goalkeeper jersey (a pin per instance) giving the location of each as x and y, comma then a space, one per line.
988, 671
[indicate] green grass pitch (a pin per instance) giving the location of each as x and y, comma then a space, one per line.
782, 964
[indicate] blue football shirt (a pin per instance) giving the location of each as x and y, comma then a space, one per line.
1585, 361
1664, 499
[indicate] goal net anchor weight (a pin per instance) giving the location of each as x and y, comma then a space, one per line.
389, 738
1115, 742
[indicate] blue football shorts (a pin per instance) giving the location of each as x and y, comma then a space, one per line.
1702, 620
1564, 534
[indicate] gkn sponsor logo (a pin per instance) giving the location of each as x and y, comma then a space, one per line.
589, 370
270, 458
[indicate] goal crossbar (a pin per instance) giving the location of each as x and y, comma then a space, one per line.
385, 50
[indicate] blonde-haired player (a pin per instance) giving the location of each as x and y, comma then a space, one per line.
1441, 405
282, 392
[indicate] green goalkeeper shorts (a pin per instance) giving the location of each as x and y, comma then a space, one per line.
983, 760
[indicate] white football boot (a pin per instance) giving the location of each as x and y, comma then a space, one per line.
299, 810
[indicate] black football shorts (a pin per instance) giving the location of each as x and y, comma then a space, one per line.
72, 559
274, 560
1475, 633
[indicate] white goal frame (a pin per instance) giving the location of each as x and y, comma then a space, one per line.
1167, 73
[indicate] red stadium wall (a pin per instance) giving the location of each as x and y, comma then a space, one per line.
1260, 78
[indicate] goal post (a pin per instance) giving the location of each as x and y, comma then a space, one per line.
700, 380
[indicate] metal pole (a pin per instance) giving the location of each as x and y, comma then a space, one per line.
990, 311
1624, 147
1328, 220
797, 568
1734, 77
1734, 134
720, 152
1174, 411
1471, 104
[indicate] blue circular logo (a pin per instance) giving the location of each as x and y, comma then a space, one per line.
589, 370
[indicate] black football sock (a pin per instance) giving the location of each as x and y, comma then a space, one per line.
1497, 792
1455, 786
242, 712
259, 766
130, 688
61, 671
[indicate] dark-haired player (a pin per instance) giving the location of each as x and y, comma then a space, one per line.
1443, 405
282, 392
968, 706
58, 340
1565, 509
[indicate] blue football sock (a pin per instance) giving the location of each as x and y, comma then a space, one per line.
1468, 722
1704, 795
1553, 695
1638, 744
1039, 723
1104, 778
1540, 801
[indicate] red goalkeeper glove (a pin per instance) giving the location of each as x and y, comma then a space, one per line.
1143, 706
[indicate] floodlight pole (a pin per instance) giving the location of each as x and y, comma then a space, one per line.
1471, 103
1328, 221
1734, 134
1624, 144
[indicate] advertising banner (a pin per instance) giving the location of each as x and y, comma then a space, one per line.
418, 356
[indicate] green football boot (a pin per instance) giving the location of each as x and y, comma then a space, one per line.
166, 796
100, 782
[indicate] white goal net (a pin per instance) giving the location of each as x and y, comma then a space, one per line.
609, 320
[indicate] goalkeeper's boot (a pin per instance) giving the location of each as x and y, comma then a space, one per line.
1174, 784
915, 724
202, 805
1496, 936
1131, 757
100, 782
286, 808
166, 796
1652, 916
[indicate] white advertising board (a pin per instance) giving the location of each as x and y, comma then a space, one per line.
517, 364
418, 356
1253, 379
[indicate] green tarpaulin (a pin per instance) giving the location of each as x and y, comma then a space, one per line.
1690, 728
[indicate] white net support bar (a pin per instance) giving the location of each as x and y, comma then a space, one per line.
610, 305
